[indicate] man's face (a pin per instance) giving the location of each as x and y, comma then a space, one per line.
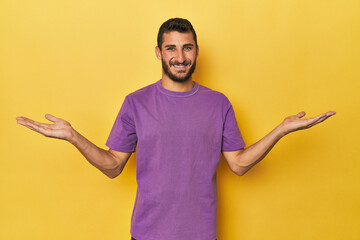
178, 55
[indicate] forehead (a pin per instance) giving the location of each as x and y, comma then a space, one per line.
178, 38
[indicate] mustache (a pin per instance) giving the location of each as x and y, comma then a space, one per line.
186, 62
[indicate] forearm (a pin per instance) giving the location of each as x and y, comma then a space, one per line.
98, 157
253, 154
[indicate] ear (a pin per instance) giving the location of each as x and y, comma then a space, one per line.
158, 52
197, 51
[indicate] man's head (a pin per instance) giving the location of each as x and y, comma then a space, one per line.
177, 49
175, 24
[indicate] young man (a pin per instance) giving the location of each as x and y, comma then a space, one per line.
179, 129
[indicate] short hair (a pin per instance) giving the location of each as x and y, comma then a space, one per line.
175, 24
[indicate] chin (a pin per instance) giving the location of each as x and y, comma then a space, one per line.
176, 77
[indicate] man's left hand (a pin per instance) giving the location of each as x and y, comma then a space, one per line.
295, 122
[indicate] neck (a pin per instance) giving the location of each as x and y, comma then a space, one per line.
171, 85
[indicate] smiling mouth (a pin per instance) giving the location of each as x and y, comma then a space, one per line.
179, 66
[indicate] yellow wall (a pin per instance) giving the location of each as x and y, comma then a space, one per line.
78, 59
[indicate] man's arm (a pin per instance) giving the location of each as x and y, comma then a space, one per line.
110, 162
240, 161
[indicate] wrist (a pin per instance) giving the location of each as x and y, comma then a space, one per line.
281, 130
73, 136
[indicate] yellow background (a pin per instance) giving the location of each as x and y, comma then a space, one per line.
78, 60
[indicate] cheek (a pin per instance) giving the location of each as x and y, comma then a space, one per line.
191, 56
167, 57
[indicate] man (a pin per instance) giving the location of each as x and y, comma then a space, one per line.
178, 128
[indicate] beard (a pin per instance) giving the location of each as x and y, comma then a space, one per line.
175, 78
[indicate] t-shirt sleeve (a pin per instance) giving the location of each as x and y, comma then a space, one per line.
123, 136
232, 139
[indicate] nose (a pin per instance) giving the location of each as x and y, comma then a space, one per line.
180, 56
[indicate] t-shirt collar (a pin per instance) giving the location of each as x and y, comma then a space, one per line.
178, 94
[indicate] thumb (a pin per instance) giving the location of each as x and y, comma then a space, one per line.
301, 114
51, 118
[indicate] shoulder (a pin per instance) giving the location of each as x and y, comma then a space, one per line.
213, 94
141, 94
142, 91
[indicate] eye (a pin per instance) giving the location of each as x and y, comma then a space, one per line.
170, 49
187, 48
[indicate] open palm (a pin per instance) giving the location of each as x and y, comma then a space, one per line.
296, 122
60, 128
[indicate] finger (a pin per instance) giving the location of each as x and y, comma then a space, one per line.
301, 114
319, 120
33, 125
21, 118
29, 121
42, 125
327, 114
51, 118
314, 119
330, 113
316, 122
307, 122
28, 126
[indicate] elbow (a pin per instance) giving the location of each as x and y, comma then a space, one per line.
242, 170
112, 173
241, 173
112, 176
113, 170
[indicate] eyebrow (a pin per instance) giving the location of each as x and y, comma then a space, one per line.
169, 46
189, 45
185, 45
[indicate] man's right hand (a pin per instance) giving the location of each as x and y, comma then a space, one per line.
110, 162
60, 128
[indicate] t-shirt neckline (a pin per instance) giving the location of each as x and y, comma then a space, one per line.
178, 94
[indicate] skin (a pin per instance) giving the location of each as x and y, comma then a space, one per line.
177, 48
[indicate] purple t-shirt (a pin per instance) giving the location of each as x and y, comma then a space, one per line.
178, 137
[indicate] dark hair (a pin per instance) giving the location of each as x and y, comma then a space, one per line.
175, 24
